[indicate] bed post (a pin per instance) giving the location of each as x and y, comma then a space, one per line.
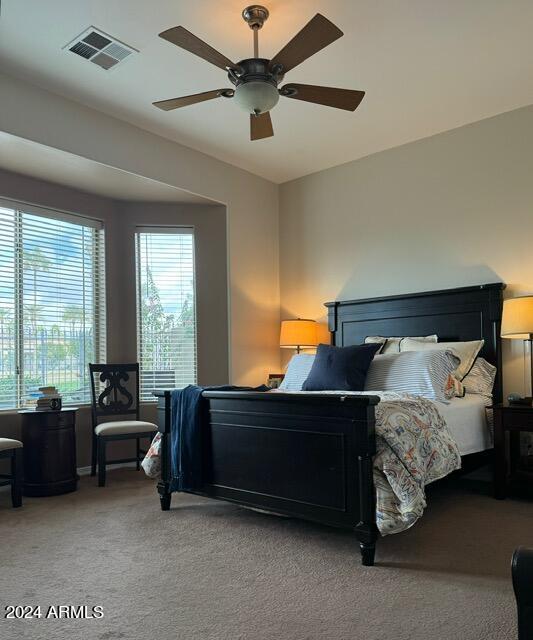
163, 423
332, 320
366, 530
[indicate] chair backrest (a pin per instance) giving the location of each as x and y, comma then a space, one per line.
522, 571
114, 389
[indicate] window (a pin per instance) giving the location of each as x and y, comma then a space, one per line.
166, 309
51, 303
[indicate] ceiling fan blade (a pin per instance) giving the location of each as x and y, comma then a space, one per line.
317, 34
261, 126
187, 40
347, 99
176, 103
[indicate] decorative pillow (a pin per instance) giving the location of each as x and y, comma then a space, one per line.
454, 388
480, 378
421, 373
465, 351
297, 371
392, 345
340, 368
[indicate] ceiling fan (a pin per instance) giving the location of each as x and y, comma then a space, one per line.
256, 79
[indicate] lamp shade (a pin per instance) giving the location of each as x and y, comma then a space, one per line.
298, 333
517, 319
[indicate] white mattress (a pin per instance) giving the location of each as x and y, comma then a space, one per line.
467, 421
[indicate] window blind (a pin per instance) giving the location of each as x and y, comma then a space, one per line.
166, 309
52, 303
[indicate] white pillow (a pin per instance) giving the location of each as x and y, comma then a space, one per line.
297, 371
392, 345
480, 378
465, 351
421, 373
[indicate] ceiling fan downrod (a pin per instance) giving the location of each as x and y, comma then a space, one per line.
255, 15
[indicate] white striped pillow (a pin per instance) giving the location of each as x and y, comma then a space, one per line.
421, 373
480, 379
465, 351
297, 371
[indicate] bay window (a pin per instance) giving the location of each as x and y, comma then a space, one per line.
52, 306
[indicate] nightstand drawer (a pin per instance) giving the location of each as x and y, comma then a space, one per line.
518, 419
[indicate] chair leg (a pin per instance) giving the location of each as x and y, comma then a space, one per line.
16, 482
138, 456
93, 454
101, 443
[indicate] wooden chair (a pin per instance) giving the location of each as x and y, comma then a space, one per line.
12, 450
119, 397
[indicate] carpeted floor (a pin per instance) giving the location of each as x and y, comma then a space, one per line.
208, 570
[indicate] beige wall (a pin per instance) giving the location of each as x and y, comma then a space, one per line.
446, 211
252, 205
451, 210
120, 220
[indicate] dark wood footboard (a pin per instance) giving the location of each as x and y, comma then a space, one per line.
306, 457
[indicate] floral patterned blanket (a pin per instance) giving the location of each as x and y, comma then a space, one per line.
414, 448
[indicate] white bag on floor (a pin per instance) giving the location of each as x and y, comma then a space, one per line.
152, 460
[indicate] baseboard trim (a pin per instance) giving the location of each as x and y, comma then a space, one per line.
86, 471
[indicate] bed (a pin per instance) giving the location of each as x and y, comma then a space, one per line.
310, 455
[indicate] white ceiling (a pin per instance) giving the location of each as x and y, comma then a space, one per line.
427, 66
54, 165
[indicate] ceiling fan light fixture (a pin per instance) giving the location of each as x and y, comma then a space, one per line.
256, 96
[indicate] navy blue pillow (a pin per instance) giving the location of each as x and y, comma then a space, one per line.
340, 368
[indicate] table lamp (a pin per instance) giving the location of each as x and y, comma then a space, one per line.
517, 323
298, 334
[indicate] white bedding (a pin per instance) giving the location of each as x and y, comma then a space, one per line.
466, 419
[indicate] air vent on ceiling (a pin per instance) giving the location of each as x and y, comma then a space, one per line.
101, 49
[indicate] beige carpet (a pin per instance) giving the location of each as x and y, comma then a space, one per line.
209, 570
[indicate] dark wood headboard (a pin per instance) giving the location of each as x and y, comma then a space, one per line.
467, 313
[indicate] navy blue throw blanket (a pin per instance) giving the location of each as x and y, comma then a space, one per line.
187, 406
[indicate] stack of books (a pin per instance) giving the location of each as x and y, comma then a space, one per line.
48, 399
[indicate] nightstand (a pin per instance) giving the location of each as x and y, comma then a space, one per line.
49, 439
512, 419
